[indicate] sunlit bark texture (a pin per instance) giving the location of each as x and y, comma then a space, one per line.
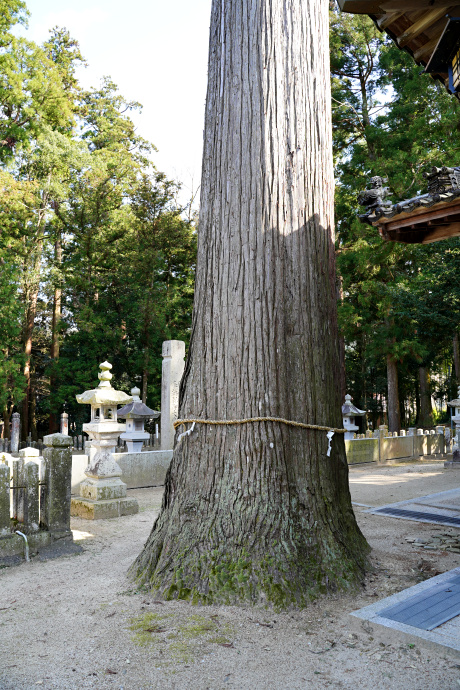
259, 511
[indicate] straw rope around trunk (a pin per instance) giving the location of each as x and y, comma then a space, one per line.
249, 420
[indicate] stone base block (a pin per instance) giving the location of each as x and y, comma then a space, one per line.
12, 545
102, 489
101, 510
42, 545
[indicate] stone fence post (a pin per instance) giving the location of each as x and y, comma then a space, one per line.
383, 431
55, 495
172, 371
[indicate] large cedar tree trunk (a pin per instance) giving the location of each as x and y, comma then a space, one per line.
259, 511
426, 411
54, 424
456, 351
394, 416
29, 326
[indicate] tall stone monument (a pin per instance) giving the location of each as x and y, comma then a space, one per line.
15, 427
171, 375
102, 493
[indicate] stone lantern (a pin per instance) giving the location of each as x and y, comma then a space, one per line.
102, 493
349, 412
456, 418
135, 414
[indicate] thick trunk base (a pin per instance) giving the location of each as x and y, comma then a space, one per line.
276, 544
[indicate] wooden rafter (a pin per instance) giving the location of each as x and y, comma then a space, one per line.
388, 19
414, 25
428, 19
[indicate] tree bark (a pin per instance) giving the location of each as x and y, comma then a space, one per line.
28, 334
456, 351
7, 412
54, 424
394, 416
343, 370
259, 511
426, 410
33, 408
32, 286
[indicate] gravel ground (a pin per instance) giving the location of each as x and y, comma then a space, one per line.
78, 623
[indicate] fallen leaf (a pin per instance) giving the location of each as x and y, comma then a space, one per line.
113, 673
323, 651
226, 644
111, 614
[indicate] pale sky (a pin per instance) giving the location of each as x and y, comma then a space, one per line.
156, 52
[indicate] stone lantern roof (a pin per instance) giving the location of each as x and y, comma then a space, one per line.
104, 394
136, 409
350, 410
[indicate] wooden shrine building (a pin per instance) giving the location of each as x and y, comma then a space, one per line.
429, 30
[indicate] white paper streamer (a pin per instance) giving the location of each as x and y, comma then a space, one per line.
186, 433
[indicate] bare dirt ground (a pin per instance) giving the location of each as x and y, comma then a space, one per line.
78, 623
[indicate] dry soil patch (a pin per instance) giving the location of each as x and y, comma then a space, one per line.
78, 623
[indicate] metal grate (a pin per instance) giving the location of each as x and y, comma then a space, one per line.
430, 609
417, 515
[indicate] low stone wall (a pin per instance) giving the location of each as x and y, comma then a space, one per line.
362, 450
395, 447
139, 469
382, 447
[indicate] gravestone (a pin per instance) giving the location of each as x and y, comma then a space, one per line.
27, 479
55, 494
4, 498
31, 499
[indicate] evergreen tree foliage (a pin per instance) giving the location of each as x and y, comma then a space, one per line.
97, 256
98, 259
391, 121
